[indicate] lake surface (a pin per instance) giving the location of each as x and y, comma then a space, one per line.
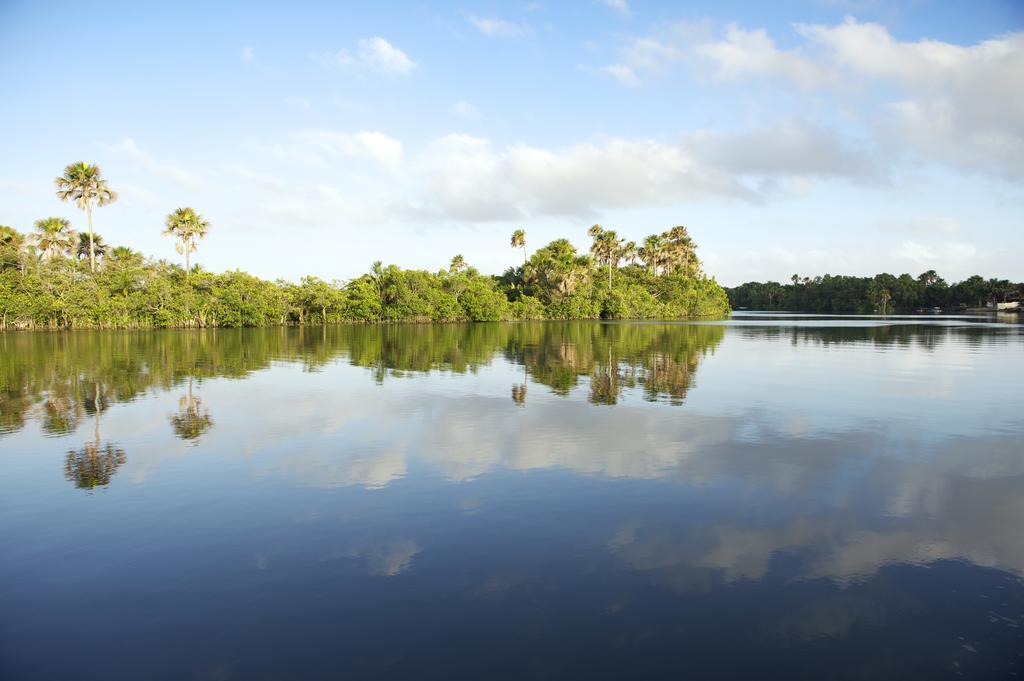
771, 496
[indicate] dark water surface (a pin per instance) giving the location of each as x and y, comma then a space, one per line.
773, 496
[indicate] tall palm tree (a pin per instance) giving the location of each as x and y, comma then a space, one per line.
53, 237
610, 246
596, 244
187, 226
83, 183
519, 241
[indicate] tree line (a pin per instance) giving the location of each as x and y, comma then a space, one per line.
881, 294
54, 277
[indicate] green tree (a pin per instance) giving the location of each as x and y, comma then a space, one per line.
84, 184
187, 227
652, 253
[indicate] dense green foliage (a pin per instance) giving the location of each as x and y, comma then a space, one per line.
46, 282
883, 293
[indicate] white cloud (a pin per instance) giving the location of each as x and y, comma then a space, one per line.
738, 54
380, 55
130, 150
468, 179
751, 54
791, 148
621, 6
465, 110
958, 105
962, 105
372, 54
947, 256
654, 54
622, 73
329, 58
319, 147
498, 28
317, 206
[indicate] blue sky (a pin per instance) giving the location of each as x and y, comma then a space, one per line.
811, 137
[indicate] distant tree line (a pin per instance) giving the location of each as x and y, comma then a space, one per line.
54, 277
882, 294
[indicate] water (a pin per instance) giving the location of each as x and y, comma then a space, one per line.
785, 496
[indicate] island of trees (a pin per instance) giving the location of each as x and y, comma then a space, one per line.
55, 277
881, 294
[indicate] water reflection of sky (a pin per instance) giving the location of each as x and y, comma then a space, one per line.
840, 493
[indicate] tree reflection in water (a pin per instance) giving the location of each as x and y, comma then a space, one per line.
54, 378
93, 464
192, 420
614, 358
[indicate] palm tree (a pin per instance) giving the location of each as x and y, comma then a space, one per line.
53, 237
682, 253
519, 241
599, 245
97, 245
630, 252
458, 264
606, 248
82, 183
651, 253
377, 277
187, 226
125, 256
123, 265
611, 247
596, 244
556, 268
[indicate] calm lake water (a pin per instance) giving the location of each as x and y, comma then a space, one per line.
785, 496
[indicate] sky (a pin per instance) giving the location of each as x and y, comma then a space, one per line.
813, 137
